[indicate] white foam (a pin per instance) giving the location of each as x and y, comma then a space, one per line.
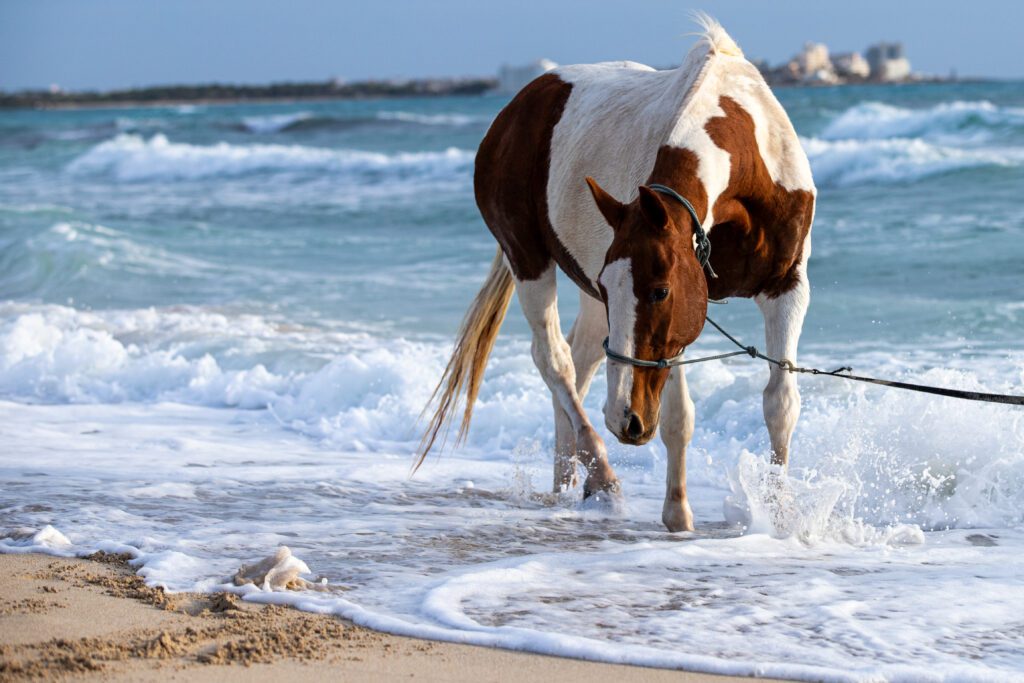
840, 163
368, 396
273, 123
873, 142
133, 158
493, 565
948, 121
449, 119
28, 540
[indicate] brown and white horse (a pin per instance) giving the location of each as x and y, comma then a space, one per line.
563, 180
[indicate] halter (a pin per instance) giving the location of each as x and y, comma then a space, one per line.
702, 250
660, 364
703, 243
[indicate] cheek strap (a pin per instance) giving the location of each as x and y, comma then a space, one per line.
702, 250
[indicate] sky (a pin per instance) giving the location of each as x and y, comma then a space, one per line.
104, 44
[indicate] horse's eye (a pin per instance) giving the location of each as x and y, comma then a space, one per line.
659, 294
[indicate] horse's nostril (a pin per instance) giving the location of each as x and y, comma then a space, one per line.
635, 428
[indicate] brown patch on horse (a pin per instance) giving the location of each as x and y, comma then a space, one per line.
677, 167
760, 226
658, 240
511, 181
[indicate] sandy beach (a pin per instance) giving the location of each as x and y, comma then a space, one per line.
95, 619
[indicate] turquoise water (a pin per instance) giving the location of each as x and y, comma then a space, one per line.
277, 206
218, 325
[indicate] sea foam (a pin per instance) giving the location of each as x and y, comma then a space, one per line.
874, 143
130, 158
902, 458
950, 121
841, 163
274, 123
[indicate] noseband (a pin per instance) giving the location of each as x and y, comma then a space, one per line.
702, 250
660, 364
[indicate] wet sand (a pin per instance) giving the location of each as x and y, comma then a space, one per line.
94, 619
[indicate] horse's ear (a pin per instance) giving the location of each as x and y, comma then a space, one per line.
652, 207
612, 209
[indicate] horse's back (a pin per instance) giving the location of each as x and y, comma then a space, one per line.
558, 126
614, 121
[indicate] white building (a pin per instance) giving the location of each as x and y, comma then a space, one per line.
888, 63
813, 64
814, 58
512, 79
851, 65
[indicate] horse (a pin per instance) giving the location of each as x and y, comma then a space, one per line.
653, 191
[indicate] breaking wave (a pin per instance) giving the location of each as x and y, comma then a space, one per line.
308, 121
132, 158
274, 123
865, 461
840, 163
450, 119
958, 121
874, 142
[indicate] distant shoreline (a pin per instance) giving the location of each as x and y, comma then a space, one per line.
216, 94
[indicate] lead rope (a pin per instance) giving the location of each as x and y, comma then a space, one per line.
753, 352
702, 251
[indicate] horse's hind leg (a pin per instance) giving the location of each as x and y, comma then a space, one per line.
783, 321
590, 328
553, 358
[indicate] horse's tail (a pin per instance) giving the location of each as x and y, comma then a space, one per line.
465, 369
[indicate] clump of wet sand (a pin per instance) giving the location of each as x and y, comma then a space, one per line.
195, 629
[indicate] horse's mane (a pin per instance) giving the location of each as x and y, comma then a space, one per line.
714, 37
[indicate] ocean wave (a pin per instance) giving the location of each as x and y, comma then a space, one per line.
274, 123
302, 121
450, 119
132, 158
77, 245
957, 121
840, 163
901, 458
832, 549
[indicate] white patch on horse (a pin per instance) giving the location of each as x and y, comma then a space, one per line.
689, 132
617, 280
617, 117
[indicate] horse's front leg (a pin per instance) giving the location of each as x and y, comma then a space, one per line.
783, 321
676, 427
553, 357
590, 328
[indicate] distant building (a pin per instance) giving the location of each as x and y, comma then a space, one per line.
887, 62
851, 65
512, 79
812, 65
814, 58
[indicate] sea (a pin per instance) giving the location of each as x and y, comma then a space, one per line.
219, 325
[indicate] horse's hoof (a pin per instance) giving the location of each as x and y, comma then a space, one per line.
677, 518
612, 488
607, 500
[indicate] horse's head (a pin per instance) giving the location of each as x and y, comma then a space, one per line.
656, 297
